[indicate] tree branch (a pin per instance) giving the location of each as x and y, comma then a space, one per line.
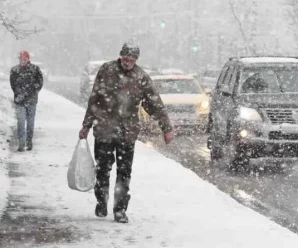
232, 7
14, 26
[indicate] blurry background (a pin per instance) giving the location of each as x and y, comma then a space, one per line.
191, 35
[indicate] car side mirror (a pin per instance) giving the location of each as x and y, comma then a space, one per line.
208, 91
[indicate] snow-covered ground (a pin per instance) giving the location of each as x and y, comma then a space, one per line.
7, 120
170, 206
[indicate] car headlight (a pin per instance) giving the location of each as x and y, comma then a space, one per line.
205, 104
249, 114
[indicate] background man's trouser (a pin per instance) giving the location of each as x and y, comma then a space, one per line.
105, 158
25, 114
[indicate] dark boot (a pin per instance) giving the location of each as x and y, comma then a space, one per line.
101, 210
121, 217
102, 195
29, 145
120, 209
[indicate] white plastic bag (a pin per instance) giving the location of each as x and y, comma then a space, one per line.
81, 169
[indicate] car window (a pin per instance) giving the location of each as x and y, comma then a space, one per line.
222, 75
235, 78
269, 80
177, 86
228, 76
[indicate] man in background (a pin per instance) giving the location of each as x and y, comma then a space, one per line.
26, 81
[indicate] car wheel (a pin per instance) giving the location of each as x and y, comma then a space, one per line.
235, 158
215, 153
229, 157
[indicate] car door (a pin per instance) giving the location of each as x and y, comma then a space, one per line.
232, 102
222, 105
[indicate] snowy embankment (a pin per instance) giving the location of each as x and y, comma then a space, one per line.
170, 205
7, 121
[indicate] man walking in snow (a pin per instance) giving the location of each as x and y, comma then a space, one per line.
26, 81
120, 86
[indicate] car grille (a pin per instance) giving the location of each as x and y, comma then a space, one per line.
279, 136
279, 116
181, 108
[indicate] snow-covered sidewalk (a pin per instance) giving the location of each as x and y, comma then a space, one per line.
170, 206
6, 121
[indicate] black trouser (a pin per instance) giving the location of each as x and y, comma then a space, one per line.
105, 158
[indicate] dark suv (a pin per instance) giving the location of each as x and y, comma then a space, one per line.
254, 110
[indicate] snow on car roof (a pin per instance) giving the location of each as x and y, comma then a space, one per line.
174, 77
249, 60
97, 62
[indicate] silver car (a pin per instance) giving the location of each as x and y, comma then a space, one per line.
87, 78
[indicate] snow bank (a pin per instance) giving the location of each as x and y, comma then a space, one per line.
6, 122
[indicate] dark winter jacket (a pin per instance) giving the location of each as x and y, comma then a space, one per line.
115, 100
26, 82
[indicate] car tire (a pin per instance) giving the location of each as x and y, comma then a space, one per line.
229, 158
236, 159
215, 153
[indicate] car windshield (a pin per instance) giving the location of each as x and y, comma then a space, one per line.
177, 86
269, 80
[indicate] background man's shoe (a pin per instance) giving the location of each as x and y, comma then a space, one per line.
21, 149
29, 146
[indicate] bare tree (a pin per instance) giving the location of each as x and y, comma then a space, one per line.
292, 16
12, 23
247, 24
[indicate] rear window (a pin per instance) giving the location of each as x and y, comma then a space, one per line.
179, 86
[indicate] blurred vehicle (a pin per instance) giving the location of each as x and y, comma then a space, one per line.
87, 78
150, 71
209, 77
185, 101
171, 71
44, 70
254, 111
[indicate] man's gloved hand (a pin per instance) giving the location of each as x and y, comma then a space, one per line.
84, 133
168, 137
